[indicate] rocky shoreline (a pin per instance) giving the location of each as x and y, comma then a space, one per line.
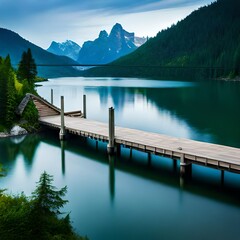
235, 79
3, 135
15, 131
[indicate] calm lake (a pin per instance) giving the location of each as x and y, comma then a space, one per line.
126, 198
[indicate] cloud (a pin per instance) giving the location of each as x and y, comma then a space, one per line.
26, 8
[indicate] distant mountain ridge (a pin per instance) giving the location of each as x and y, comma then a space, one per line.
107, 48
67, 48
13, 44
208, 38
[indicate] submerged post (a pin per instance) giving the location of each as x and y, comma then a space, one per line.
149, 159
51, 96
84, 107
185, 168
222, 177
62, 130
130, 153
63, 156
110, 147
111, 176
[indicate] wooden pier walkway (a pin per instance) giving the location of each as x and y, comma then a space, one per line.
218, 156
187, 151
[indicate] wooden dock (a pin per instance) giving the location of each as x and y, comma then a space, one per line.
187, 151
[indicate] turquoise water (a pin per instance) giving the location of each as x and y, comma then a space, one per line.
125, 197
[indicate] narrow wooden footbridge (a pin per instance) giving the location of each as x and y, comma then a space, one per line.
187, 151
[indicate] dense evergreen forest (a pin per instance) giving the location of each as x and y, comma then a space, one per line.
14, 84
206, 44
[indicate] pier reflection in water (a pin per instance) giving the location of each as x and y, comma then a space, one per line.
90, 173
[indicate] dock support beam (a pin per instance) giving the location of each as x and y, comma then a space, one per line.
111, 145
149, 159
185, 168
84, 107
118, 149
51, 96
111, 159
63, 156
222, 177
130, 155
62, 130
174, 165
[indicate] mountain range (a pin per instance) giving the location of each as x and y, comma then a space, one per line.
68, 48
206, 44
13, 44
102, 50
105, 49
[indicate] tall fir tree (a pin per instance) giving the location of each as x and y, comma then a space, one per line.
2, 91
11, 99
27, 68
47, 202
5, 69
47, 199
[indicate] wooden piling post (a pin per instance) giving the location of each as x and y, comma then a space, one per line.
84, 107
51, 96
63, 156
111, 159
174, 165
111, 147
130, 155
185, 168
149, 159
118, 149
222, 177
62, 130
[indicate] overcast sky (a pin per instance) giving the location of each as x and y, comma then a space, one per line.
41, 21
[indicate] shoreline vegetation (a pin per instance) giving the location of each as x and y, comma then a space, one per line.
36, 216
14, 84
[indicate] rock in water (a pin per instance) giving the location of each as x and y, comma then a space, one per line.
17, 130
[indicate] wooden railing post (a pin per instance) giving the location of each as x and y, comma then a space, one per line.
84, 107
62, 130
111, 145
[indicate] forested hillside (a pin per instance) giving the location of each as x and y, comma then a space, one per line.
205, 44
13, 87
14, 45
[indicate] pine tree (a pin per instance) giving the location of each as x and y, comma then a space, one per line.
2, 91
27, 68
46, 198
46, 203
11, 99
5, 68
